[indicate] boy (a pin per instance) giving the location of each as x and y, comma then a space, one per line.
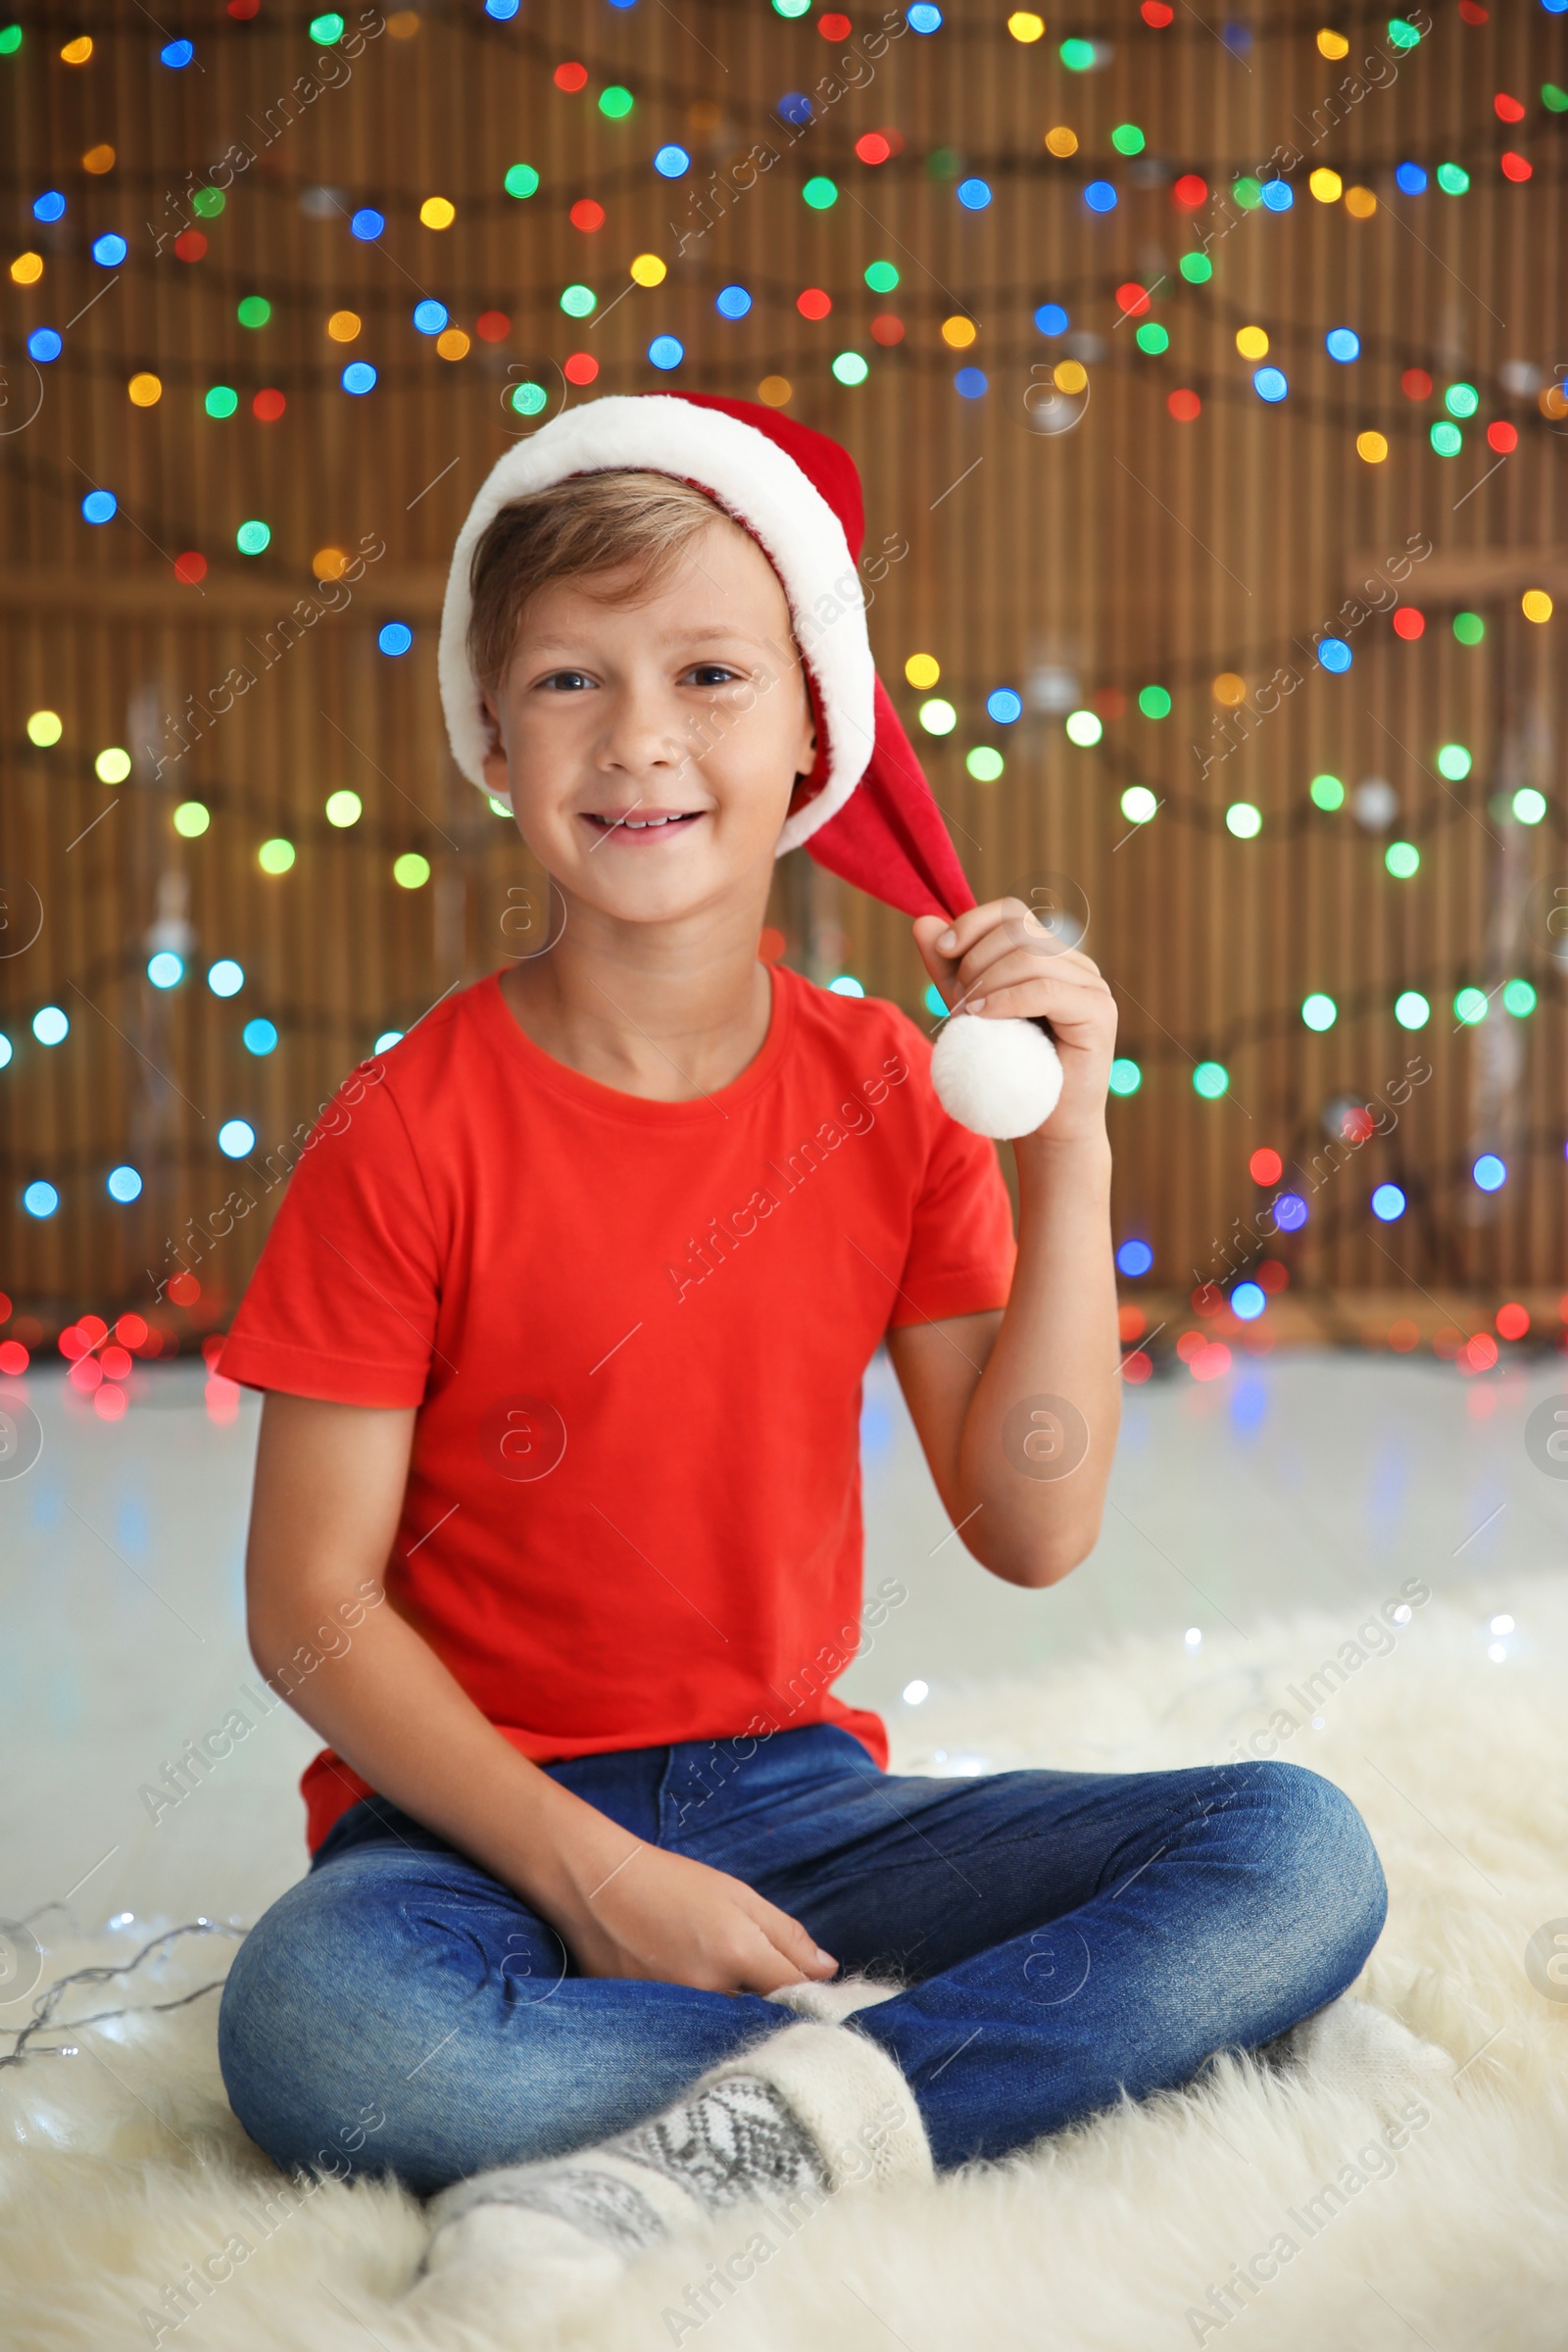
556, 1533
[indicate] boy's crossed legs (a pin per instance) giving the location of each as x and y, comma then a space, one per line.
1062, 1938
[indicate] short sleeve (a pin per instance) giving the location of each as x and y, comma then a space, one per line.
343, 1303
962, 1247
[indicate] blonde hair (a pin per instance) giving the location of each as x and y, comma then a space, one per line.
589, 527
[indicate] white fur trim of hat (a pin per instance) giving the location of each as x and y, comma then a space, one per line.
762, 487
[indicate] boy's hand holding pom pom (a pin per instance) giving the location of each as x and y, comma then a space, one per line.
1001, 972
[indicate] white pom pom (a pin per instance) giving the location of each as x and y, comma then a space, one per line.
999, 1078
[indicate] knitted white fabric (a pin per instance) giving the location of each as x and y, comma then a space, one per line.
814, 2109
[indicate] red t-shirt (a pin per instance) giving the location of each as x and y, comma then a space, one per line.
635, 1333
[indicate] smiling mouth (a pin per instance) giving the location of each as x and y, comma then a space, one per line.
674, 820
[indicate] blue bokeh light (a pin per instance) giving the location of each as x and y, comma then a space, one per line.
732, 302
1388, 1203
1003, 706
1134, 1259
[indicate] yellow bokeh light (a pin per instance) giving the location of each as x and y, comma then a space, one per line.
959, 332
922, 670
1024, 25
146, 390
452, 343
411, 871
1060, 141
774, 390
1553, 401
1372, 447
330, 562
343, 808
1069, 375
113, 765
99, 159
1327, 186
1333, 44
1252, 342
1536, 604
649, 270
192, 819
343, 326
45, 728
403, 23
1230, 688
78, 52
438, 211
275, 856
1360, 203
28, 269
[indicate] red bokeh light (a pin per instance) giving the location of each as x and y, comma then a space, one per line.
4, 1309
1211, 1362
1472, 12
1357, 1124
885, 329
268, 406
1478, 1355
1190, 191
772, 944
115, 1362
93, 1328
1403, 1336
242, 11
587, 213
14, 1358
1184, 405
190, 245
1408, 623
1136, 1368
1133, 299
1130, 1323
109, 1402
1191, 1343
1155, 12
184, 1289
572, 76
85, 1374
1512, 1320
222, 1398
1110, 702
814, 303
1265, 1166
1502, 437
492, 326
872, 148
190, 568
1272, 1276
834, 28
1516, 166
1416, 384
1507, 109
132, 1331
581, 368
1208, 1299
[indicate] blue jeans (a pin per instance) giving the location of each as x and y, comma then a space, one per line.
1063, 1937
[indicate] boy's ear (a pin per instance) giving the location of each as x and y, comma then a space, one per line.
497, 775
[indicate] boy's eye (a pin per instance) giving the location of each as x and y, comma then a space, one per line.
566, 681
713, 674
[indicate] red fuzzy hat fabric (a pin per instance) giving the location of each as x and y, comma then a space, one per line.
866, 810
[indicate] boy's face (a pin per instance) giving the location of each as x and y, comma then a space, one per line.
650, 748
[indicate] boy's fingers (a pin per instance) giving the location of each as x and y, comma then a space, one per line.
955, 939
789, 1938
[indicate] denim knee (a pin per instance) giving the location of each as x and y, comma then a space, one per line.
1326, 1882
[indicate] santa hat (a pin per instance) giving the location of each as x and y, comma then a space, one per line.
866, 810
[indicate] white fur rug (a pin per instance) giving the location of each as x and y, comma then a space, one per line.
121, 2170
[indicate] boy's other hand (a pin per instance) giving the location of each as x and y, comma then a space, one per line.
664, 1918
999, 962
